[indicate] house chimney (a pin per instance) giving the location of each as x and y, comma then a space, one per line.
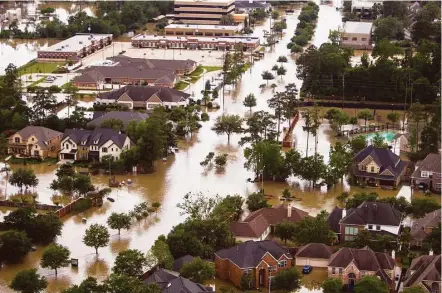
289, 210
393, 254
431, 252
344, 213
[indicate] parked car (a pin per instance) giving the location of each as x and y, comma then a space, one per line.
307, 269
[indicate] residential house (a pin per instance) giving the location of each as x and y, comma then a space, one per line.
93, 145
35, 141
172, 282
179, 67
402, 142
259, 224
376, 217
351, 265
333, 219
424, 271
314, 254
427, 173
357, 35
124, 116
421, 228
145, 97
378, 167
179, 262
262, 259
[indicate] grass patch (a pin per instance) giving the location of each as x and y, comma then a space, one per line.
24, 161
63, 87
212, 68
197, 72
181, 85
194, 79
39, 67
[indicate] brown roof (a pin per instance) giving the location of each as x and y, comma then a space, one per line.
364, 259
42, 134
423, 268
430, 220
143, 93
377, 213
276, 215
155, 63
253, 228
432, 163
315, 250
333, 219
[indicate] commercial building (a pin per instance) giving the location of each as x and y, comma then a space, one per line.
202, 11
75, 48
194, 43
357, 35
206, 30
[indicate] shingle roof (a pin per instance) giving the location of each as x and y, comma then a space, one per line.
430, 220
333, 219
179, 262
432, 163
249, 254
42, 134
253, 228
356, 27
276, 215
250, 5
95, 73
143, 93
97, 137
424, 267
172, 282
125, 116
377, 213
364, 259
315, 250
155, 63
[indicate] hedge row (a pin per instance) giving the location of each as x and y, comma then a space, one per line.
305, 29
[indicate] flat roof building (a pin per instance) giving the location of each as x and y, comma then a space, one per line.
194, 43
202, 30
357, 35
202, 11
76, 47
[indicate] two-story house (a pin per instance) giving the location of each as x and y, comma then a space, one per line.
424, 271
35, 141
378, 167
260, 223
145, 97
351, 265
262, 259
428, 173
172, 282
376, 217
421, 228
93, 145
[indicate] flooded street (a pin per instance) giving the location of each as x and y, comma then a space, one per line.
182, 173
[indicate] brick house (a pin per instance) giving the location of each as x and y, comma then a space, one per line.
428, 173
376, 217
314, 254
424, 271
35, 141
421, 228
262, 259
378, 167
351, 265
260, 223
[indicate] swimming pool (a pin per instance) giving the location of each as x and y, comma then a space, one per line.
386, 135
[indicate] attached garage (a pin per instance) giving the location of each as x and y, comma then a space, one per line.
313, 254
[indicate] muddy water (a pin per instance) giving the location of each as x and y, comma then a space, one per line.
183, 173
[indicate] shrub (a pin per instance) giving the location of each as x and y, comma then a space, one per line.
296, 49
301, 40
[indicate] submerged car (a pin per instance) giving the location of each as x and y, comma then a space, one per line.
307, 269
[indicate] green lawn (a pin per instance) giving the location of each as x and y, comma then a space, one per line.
197, 72
181, 85
212, 68
39, 67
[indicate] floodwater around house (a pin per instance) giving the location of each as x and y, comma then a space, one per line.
182, 173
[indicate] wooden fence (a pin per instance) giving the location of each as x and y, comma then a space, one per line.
287, 141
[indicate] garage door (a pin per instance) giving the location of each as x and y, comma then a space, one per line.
314, 262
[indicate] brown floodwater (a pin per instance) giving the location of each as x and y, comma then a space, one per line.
182, 173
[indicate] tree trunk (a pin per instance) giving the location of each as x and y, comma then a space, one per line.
96, 250
417, 135
119, 231
306, 150
56, 272
228, 137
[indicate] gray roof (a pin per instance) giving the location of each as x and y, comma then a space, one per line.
155, 63
431, 220
376, 213
76, 43
357, 27
143, 93
172, 282
251, 5
179, 262
315, 250
98, 136
125, 116
249, 254
42, 134
424, 268
431, 163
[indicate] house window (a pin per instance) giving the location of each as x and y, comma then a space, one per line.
32, 139
104, 150
282, 263
333, 270
370, 227
17, 140
66, 146
345, 38
272, 268
354, 39
372, 169
350, 233
340, 271
364, 39
425, 174
378, 227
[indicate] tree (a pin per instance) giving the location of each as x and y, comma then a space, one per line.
117, 283
378, 141
275, 14
130, 262
312, 168
89, 285
285, 230
282, 59
256, 201
198, 270
314, 230
332, 285
433, 239
415, 289
96, 236
393, 117
249, 102
82, 184
370, 284
198, 206
71, 96
14, 246
422, 206
44, 228
247, 282
228, 124
339, 160
119, 221
358, 198
387, 28
281, 71
417, 113
23, 177
288, 280
277, 103
267, 75
385, 49
365, 115
226, 20
116, 124
363, 239
55, 256
161, 253
228, 209
220, 160
28, 281
357, 144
